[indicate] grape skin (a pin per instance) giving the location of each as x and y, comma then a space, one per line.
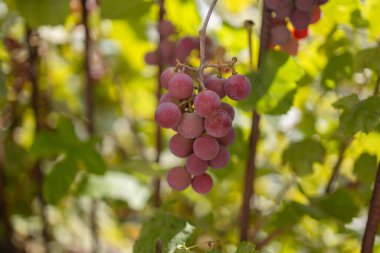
228, 139
300, 34
237, 87
300, 19
195, 166
221, 160
167, 115
180, 146
291, 47
167, 51
206, 147
228, 109
151, 58
216, 84
181, 86
315, 15
166, 28
207, 103
184, 47
178, 178
218, 125
305, 5
191, 125
280, 34
202, 184
165, 77
284, 11
275, 4
168, 98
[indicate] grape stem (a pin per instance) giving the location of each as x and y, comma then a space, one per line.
202, 47
229, 64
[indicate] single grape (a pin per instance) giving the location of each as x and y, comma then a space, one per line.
168, 98
207, 103
315, 14
216, 84
184, 47
206, 147
181, 86
151, 58
195, 166
300, 19
202, 184
167, 115
300, 34
166, 28
165, 77
228, 139
291, 47
180, 146
218, 125
280, 34
305, 5
284, 11
228, 109
178, 178
191, 125
221, 160
237, 87
321, 2
275, 4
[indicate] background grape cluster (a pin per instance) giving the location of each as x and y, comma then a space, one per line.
290, 21
203, 124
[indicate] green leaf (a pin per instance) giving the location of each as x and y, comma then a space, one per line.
246, 247
302, 155
43, 12
284, 104
170, 230
364, 116
213, 251
57, 183
365, 168
368, 58
91, 158
120, 9
347, 102
338, 68
357, 19
339, 205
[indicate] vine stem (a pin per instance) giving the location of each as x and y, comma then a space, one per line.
33, 59
202, 46
89, 102
248, 191
373, 217
157, 179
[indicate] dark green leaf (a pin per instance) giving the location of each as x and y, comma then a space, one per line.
357, 19
170, 230
365, 168
368, 58
285, 103
347, 102
337, 69
246, 247
302, 155
91, 158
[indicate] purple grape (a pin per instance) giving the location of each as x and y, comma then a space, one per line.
168, 98
218, 125
178, 178
181, 86
151, 58
321, 2
228, 109
216, 84
228, 139
300, 19
206, 147
237, 87
167, 115
291, 47
191, 125
166, 28
207, 103
275, 4
221, 160
202, 184
195, 166
280, 34
185, 46
305, 5
165, 77
285, 11
180, 146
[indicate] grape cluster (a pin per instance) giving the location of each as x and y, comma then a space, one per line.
203, 124
300, 13
172, 49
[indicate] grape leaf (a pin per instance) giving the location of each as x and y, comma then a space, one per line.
365, 168
170, 230
301, 156
338, 68
246, 247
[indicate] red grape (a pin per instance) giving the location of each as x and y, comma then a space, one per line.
151, 58
165, 77
168, 115
228, 139
321, 2
180, 146
195, 166
207, 103
206, 147
315, 14
191, 125
219, 124
178, 178
202, 184
280, 34
291, 47
216, 84
300, 34
166, 28
168, 98
221, 160
228, 109
275, 4
237, 87
300, 19
184, 47
305, 5
181, 86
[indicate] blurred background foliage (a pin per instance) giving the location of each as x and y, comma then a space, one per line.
319, 111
